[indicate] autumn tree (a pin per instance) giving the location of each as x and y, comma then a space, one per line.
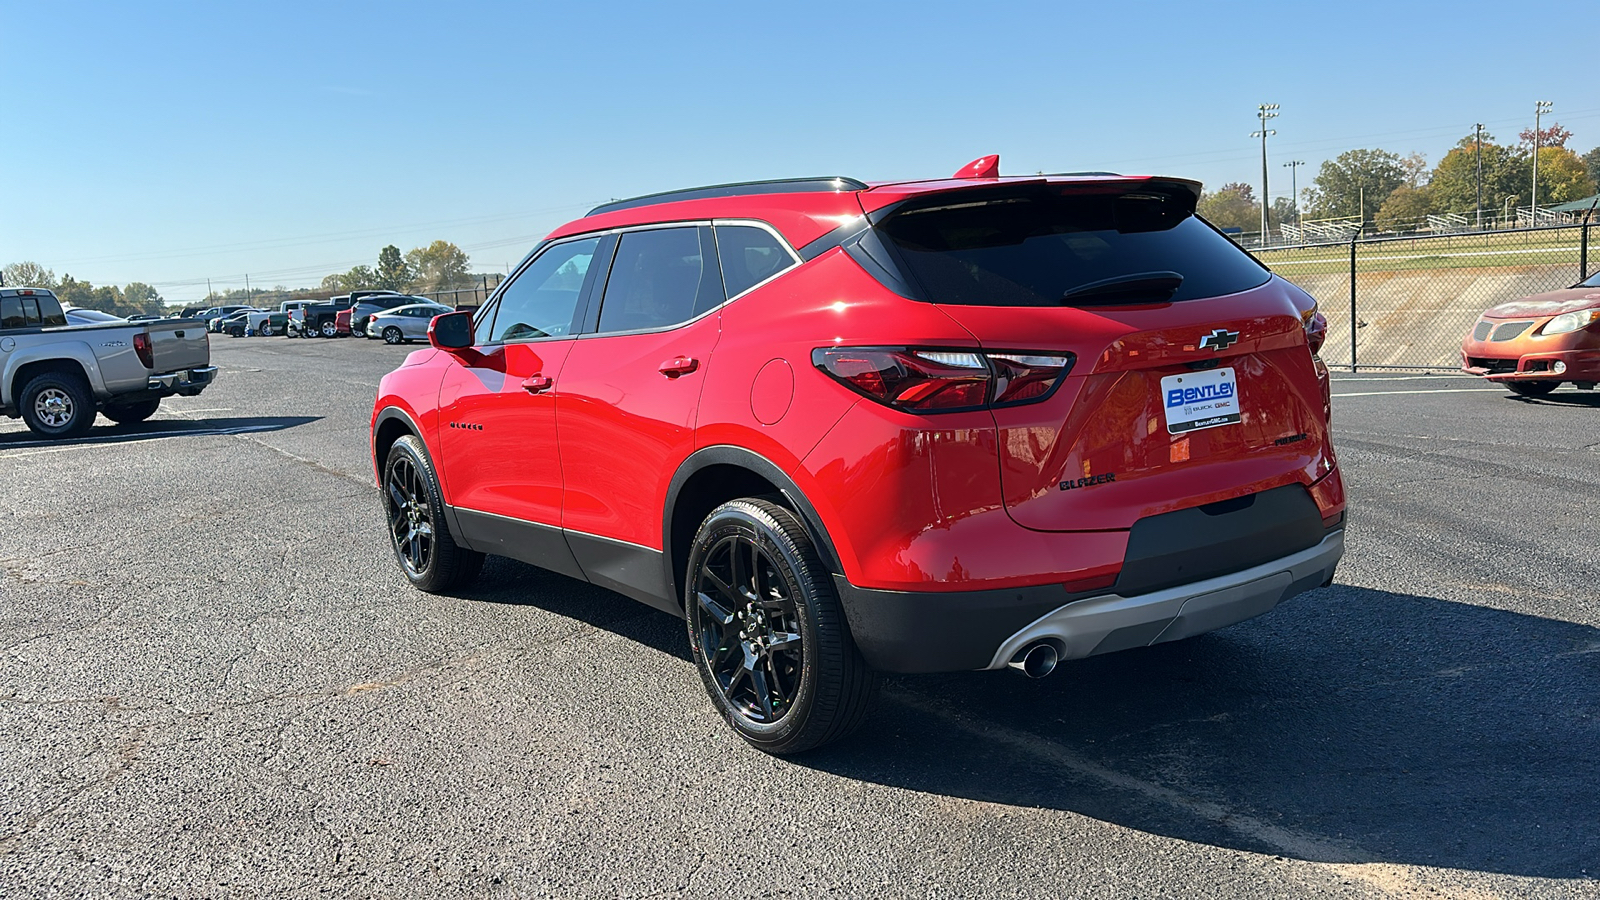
1405, 209
1562, 177
1354, 183
1554, 136
440, 266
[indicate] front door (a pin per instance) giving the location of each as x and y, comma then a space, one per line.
497, 424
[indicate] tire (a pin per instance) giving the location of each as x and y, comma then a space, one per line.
57, 405
1531, 388
330, 329
129, 413
265, 330
414, 510
393, 335
743, 635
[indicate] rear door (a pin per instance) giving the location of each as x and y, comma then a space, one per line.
1191, 380
629, 392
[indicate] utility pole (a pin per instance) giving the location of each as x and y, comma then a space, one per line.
1477, 132
1293, 166
247, 287
1264, 112
1539, 109
208, 290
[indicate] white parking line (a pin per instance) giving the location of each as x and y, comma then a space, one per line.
1439, 391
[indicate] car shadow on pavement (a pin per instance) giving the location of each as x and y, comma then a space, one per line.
1590, 399
508, 581
111, 433
1350, 726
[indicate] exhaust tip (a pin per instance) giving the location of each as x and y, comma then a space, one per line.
1036, 660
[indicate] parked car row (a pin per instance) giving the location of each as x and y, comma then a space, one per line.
393, 317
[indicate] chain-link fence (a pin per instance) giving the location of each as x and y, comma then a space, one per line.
466, 297
1406, 302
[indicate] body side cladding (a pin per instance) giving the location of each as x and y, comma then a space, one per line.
545, 546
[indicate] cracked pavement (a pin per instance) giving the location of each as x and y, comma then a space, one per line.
214, 683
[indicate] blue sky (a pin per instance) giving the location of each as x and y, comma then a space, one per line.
174, 142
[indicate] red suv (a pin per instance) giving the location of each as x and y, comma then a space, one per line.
845, 429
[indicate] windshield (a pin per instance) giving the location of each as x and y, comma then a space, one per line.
1591, 281
1032, 247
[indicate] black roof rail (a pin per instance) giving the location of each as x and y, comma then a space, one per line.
1056, 174
738, 189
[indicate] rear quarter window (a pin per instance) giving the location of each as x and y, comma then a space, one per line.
1031, 247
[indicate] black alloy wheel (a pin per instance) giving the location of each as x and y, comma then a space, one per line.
393, 335
768, 634
428, 555
1532, 388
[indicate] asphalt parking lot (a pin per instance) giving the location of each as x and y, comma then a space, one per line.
213, 683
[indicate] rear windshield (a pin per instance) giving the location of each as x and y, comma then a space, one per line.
1030, 248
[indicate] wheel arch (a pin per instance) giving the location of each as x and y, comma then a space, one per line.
391, 424
714, 475
25, 369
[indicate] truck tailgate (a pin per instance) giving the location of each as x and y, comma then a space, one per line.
179, 344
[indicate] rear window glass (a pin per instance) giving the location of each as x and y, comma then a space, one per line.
660, 277
1031, 248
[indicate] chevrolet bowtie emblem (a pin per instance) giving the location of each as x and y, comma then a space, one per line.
1221, 339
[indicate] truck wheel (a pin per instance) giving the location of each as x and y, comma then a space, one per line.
1532, 388
428, 555
330, 329
57, 405
768, 634
128, 413
392, 335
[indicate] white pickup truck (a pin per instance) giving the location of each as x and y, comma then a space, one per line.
57, 376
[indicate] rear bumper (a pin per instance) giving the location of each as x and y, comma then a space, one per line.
901, 631
186, 382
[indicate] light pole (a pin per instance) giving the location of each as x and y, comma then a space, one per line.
1539, 109
1477, 132
1293, 166
1264, 112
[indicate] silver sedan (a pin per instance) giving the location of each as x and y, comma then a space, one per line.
405, 323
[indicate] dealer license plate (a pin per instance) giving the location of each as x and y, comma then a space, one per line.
1196, 400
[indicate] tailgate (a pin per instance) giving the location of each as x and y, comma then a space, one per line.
1152, 418
179, 344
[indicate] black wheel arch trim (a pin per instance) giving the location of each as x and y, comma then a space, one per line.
395, 413
727, 455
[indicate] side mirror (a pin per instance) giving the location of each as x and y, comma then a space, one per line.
451, 331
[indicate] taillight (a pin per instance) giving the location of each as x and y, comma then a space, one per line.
141, 348
1316, 330
942, 380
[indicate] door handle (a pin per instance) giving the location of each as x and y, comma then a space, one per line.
537, 384
679, 365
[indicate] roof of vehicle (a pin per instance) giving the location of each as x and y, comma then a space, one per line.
804, 209
394, 309
24, 291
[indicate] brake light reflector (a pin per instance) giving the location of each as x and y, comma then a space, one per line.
941, 380
141, 348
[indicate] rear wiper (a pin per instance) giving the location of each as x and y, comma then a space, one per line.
1155, 286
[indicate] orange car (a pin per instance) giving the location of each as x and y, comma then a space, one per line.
1537, 343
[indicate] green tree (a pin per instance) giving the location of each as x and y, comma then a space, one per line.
1231, 206
1591, 161
393, 274
140, 298
1506, 177
440, 266
1405, 210
27, 274
1284, 212
1355, 183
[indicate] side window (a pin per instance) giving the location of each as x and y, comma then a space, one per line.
660, 277
30, 310
749, 256
50, 313
543, 299
11, 313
